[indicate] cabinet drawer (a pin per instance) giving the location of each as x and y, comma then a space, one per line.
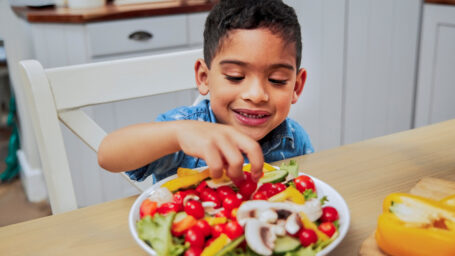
117, 37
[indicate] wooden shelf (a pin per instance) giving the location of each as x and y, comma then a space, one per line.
111, 11
449, 2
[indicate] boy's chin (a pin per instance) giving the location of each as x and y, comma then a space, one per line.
255, 134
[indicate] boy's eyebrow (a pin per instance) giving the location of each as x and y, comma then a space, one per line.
273, 66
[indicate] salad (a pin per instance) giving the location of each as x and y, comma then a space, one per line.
196, 215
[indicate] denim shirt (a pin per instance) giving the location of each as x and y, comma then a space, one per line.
287, 140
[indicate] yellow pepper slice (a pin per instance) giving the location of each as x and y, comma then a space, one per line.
186, 181
181, 172
216, 245
414, 225
291, 194
308, 224
449, 201
266, 168
215, 220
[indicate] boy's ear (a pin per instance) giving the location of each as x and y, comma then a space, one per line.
202, 76
299, 84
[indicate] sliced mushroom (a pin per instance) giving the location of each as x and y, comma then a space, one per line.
209, 207
293, 224
260, 237
268, 216
253, 209
312, 208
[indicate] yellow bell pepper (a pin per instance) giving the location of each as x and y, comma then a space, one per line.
449, 201
181, 172
266, 168
215, 220
414, 225
308, 224
186, 181
216, 245
291, 194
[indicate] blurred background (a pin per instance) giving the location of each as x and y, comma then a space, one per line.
375, 67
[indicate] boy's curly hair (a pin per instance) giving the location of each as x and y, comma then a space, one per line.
227, 15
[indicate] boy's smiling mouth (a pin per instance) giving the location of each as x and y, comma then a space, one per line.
251, 117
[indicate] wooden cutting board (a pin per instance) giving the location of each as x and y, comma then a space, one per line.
428, 187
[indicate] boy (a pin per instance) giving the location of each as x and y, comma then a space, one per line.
252, 52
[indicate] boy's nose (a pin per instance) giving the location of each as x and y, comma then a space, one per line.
255, 92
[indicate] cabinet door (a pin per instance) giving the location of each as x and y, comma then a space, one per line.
319, 108
381, 55
436, 81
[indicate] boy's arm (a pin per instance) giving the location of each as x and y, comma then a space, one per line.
221, 146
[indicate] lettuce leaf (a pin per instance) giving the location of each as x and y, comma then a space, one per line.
156, 231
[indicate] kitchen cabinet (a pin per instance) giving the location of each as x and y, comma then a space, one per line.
380, 65
436, 81
361, 61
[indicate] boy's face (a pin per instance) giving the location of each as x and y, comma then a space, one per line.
252, 81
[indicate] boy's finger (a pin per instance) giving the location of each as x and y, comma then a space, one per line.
254, 153
233, 158
215, 163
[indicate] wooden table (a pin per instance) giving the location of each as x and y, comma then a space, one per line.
364, 173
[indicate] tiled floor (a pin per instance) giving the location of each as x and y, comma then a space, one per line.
14, 206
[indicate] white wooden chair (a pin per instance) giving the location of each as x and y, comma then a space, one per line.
58, 94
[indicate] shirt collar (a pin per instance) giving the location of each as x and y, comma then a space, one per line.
211, 115
283, 133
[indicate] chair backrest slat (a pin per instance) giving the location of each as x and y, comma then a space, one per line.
128, 79
84, 127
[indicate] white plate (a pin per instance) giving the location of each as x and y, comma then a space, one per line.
323, 189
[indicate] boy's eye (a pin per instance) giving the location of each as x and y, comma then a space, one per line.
234, 78
276, 81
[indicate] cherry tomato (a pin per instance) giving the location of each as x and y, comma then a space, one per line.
269, 189
279, 187
217, 230
329, 214
304, 182
233, 229
246, 188
224, 191
195, 237
327, 228
168, 207
308, 237
222, 213
260, 195
204, 226
201, 186
195, 209
179, 196
231, 202
210, 195
193, 251
148, 207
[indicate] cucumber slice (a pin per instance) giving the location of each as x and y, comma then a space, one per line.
230, 246
285, 244
274, 176
179, 216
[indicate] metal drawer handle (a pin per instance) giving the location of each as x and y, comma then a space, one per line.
140, 36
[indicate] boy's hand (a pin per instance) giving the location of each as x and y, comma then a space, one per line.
221, 147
